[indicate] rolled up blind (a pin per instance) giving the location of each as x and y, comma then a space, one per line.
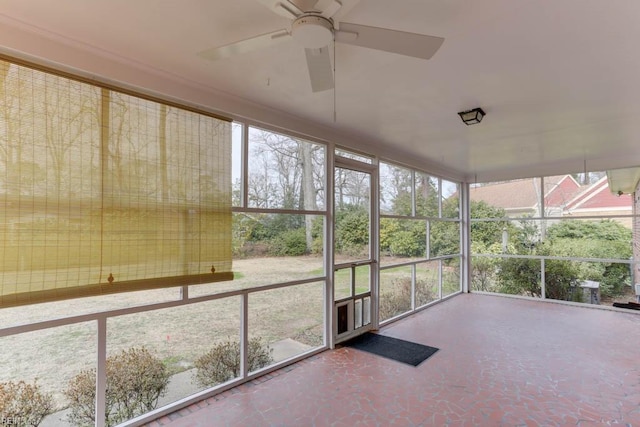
106, 192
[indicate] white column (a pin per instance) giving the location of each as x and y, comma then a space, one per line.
465, 237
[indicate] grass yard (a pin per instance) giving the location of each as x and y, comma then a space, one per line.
179, 335
176, 335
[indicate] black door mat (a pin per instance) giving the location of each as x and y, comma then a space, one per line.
630, 305
403, 351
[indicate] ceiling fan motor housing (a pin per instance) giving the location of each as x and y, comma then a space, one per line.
312, 31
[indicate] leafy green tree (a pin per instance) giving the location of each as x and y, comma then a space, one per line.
352, 229
484, 269
579, 239
600, 230
397, 189
521, 276
445, 237
488, 232
402, 204
426, 196
277, 235
407, 238
561, 280
289, 243
605, 239
403, 238
317, 233
407, 243
388, 229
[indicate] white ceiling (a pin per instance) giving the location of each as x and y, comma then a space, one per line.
558, 79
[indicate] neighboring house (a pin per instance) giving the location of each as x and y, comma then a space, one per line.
596, 199
517, 198
563, 196
559, 191
521, 197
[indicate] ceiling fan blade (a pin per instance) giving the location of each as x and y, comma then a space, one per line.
244, 46
328, 7
346, 7
320, 71
286, 8
409, 44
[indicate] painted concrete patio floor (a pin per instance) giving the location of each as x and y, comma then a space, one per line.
502, 362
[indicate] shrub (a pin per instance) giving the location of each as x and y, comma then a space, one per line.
592, 230
408, 243
402, 238
317, 232
483, 269
614, 279
522, 276
560, 281
397, 300
222, 362
135, 381
595, 239
352, 230
289, 243
24, 404
519, 276
388, 228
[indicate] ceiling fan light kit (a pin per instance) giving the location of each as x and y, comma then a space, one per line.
312, 31
472, 117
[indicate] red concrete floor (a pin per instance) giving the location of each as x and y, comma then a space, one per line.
502, 362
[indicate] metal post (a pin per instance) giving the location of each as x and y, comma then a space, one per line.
543, 287
244, 335
465, 236
101, 373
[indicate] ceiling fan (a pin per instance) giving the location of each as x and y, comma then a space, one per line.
315, 25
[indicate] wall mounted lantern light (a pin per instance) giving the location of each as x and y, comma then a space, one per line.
472, 117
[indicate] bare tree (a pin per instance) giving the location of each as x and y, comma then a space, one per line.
260, 192
308, 189
287, 170
9, 150
69, 109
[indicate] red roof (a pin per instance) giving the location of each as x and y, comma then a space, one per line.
560, 191
524, 193
598, 196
